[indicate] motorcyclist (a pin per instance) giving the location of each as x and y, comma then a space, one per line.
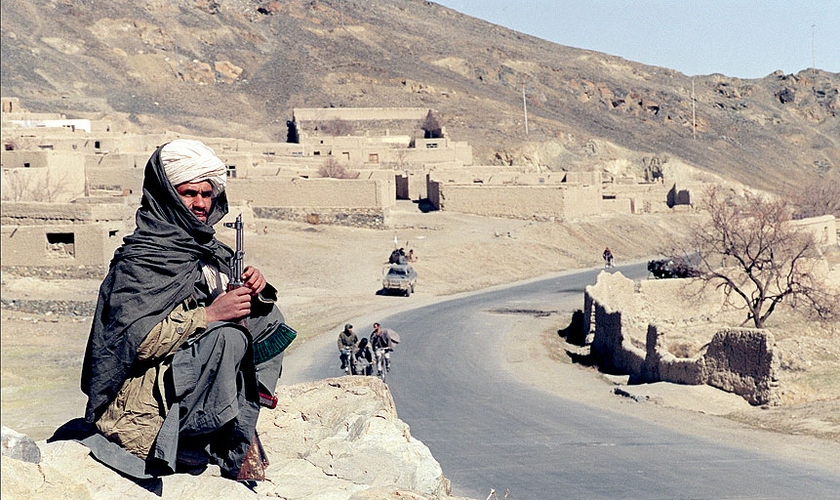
347, 343
382, 342
608, 257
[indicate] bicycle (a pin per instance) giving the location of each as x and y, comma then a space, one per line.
349, 361
383, 362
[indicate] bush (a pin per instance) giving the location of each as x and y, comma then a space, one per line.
337, 127
333, 169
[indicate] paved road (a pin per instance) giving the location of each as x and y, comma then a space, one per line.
488, 430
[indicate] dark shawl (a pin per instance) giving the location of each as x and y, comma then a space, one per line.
151, 273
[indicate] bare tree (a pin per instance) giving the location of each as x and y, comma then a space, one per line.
332, 168
337, 127
751, 249
30, 185
819, 197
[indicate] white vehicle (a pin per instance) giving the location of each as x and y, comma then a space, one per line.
401, 278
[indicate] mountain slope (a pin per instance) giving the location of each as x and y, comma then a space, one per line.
239, 67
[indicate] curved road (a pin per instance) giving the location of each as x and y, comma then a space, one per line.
489, 430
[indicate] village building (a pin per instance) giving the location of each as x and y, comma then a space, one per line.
69, 190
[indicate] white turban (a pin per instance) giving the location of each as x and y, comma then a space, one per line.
186, 160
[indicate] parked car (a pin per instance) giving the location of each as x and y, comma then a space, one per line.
399, 278
674, 267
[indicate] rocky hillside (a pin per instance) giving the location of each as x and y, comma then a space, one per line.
335, 438
239, 67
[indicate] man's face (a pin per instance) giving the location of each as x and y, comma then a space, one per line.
198, 198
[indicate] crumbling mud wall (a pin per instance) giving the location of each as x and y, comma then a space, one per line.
742, 361
614, 350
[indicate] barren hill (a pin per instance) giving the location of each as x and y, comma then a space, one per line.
238, 68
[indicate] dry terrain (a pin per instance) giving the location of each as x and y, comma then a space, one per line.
238, 68
328, 275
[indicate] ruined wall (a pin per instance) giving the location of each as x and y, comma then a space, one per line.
610, 343
10, 104
738, 360
744, 361
661, 365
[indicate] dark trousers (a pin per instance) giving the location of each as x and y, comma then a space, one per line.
214, 385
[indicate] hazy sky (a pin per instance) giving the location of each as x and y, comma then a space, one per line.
740, 38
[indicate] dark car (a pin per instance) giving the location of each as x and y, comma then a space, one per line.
400, 278
674, 267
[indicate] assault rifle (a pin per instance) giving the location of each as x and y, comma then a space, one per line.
237, 268
237, 261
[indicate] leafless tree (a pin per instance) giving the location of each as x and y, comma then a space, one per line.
750, 248
818, 197
332, 168
26, 185
337, 127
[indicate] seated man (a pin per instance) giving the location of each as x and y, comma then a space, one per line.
176, 362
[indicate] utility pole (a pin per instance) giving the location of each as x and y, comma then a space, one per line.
693, 113
525, 108
813, 50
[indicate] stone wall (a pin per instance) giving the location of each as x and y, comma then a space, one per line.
743, 361
354, 217
363, 202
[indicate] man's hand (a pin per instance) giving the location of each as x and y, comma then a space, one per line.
231, 305
254, 280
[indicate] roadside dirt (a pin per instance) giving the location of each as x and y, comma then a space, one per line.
327, 275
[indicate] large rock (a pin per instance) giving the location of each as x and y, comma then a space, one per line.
331, 439
19, 446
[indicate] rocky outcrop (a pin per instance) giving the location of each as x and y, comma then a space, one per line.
331, 439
